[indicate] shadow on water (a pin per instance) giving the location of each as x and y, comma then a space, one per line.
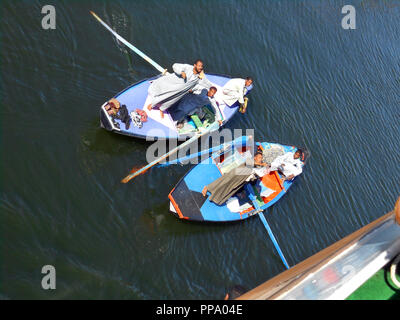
160, 219
103, 141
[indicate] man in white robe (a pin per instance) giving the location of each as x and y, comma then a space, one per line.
235, 90
167, 90
290, 164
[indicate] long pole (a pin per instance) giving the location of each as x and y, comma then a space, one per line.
129, 45
237, 141
266, 225
134, 174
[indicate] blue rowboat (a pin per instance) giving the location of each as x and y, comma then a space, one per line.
136, 97
187, 201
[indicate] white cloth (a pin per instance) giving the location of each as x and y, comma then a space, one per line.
287, 164
234, 90
257, 173
168, 89
260, 172
265, 192
234, 206
202, 84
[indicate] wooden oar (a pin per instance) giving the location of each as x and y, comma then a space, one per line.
224, 146
260, 213
130, 46
134, 173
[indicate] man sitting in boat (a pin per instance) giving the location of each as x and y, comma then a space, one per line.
231, 182
235, 90
193, 102
168, 89
290, 164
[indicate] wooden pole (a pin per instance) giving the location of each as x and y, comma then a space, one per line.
397, 210
134, 173
130, 46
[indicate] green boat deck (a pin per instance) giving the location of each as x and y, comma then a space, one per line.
378, 287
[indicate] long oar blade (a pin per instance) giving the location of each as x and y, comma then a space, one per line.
129, 45
134, 174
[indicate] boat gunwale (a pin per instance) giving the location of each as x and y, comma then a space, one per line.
145, 137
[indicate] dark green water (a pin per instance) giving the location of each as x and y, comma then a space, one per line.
335, 91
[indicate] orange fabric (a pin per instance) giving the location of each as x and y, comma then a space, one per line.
278, 178
245, 211
271, 181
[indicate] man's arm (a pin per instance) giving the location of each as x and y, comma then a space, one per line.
297, 169
205, 83
218, 114
277, 162
241, 95
180, 69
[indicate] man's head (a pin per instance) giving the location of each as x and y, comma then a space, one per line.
211, 92
258, 157
298, 154
198, 66
248, 81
